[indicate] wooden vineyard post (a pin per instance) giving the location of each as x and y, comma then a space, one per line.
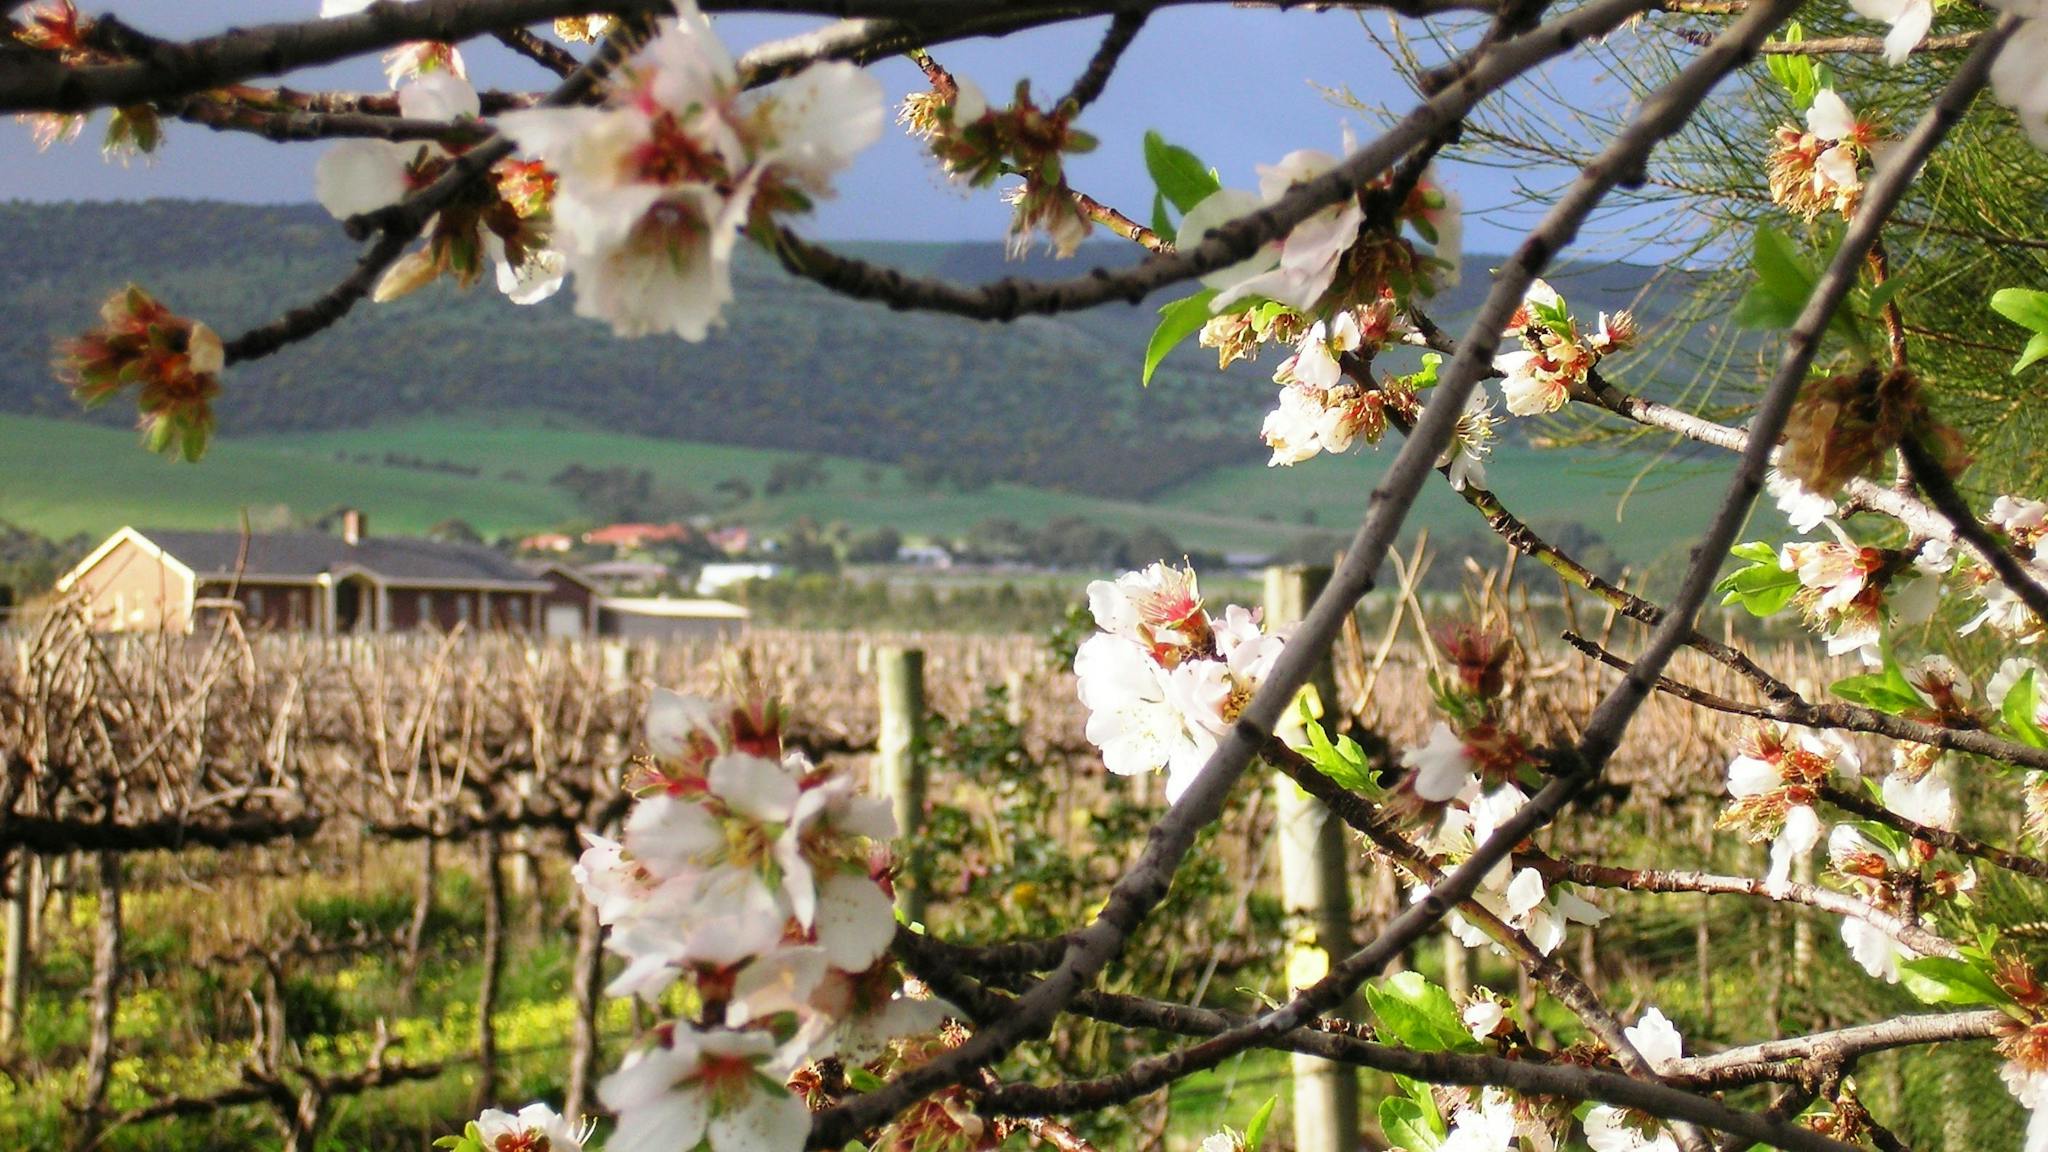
14, 979
1315, 893
900, 764
587, 990
106, 993
491, 853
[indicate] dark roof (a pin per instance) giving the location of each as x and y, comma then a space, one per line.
303, 555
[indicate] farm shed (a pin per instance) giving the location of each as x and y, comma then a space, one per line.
145, 581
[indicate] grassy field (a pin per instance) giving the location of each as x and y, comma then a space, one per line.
61, 478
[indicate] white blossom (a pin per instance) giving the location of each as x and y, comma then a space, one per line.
1657, 1039
717, 1087
1442, 766
655, 187
1299, 268
1910, 20
1608, 1130
1802, 509
534, 1126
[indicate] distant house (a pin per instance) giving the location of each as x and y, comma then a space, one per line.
715, 578
619, 577
647, 618
733, 541
156, 580
635, 537
569, 607
924, 556
547, 542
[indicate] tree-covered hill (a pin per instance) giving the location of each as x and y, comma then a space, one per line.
1047, 401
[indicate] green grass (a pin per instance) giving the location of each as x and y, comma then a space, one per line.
1643, 518
64, 477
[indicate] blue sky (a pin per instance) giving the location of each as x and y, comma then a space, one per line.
1239, 86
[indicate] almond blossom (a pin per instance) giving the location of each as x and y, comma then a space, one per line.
1320, 409
418, 58
534, 1128
1803, 510
1162, 680
1489, 1126
720, 1088
1443, 768
1910, 20
1295, 270
1555, 358
1484, 1015
502, 222
1838, 592
2019, 76
1611, 1129
1816, 169
1773, 783
1519, 899
1471, 442
2026, 1076
657, 186
756, 878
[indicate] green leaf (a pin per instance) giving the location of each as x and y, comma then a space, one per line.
1344, 762
1180, 176
1425, 1098
1875, 299
1794, 73
1406, 1126
2023, 306
2028, 309
1419, 1014
1256, 1130
1162, 220
1761, 586
1946, 980
2036, 348
1781, 267
861, 1079
1177, 321
1886, 691
2018, 712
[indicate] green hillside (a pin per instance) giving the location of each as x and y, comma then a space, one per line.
62, 477
448, 405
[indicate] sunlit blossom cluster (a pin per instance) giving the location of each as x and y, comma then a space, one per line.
1331, 260
1324, 409
760, 881
1555, 356
2024, 524
1519, 898
1495, 1120
1881, 870
1774, 783
1463, 780
1848, 591
655, 188
1162, 679
2019, 76
502, 224
1817, 168
978, 144
534, 1128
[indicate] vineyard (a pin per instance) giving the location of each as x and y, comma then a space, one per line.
275, 891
